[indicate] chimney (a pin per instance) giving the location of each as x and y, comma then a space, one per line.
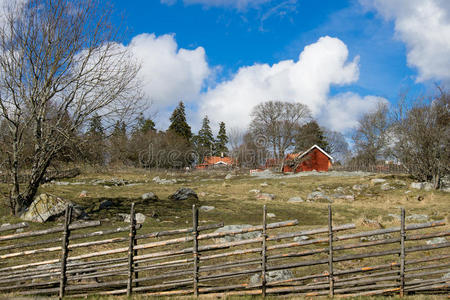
221, 154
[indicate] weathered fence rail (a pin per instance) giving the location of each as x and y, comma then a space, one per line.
272, 258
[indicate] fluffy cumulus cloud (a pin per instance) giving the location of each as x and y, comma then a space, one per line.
307, 80
169, 73
424, 26
343, 110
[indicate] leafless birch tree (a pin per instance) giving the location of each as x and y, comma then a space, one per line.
60, 62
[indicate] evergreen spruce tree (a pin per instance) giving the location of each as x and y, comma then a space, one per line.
96, 127
179, 124
144, 125
310, 134
222, 140
205, 136
95, 145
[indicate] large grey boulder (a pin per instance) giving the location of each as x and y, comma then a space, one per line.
184, 194
272, 276
47, 207
237, 237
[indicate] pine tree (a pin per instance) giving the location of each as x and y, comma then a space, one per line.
310, 134
179, 124
205, 136
96, 127
95, 145
222, 140
144, 125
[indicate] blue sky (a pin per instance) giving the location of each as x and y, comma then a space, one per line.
225, 56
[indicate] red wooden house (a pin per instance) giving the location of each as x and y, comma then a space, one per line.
315, 158
216, 162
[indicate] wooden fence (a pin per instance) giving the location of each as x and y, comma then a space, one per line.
247, 261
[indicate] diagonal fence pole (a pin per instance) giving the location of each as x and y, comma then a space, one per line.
65, 251
195, 248
264, 253
131, 250
330, 252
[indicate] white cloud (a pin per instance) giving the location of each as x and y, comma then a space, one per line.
169, 73
424, 26
343, 110
237, 4
307, 80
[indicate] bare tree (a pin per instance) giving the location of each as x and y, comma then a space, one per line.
422, 132
60, 63
371, 135
337, 145
278, 122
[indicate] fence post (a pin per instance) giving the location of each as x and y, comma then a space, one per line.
330, 251
402, 253
263, 253
195, 248
131, 250
65, 251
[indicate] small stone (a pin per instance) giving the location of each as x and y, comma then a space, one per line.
149, 197
107, 187
254, 191
386, 187
19, 230
206, 208
83, 194
140, 218
283, 183
417, 217
438, 240
264, 184
360, 187
271, 215
301, 238
318, 196
229, 176
272, 276
378, 180
202, 194
265, 196
237, 237
296, 200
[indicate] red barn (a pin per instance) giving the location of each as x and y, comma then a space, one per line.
315, 158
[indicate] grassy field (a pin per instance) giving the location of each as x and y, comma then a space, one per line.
235, 204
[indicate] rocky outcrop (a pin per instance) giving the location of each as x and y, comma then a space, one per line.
47, 207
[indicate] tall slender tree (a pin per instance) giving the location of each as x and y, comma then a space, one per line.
308, 135
205, 137
179, 124
222, 140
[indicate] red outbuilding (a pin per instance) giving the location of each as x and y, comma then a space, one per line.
315, 158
